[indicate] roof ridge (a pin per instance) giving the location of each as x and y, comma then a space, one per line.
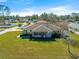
54, 25
43, 26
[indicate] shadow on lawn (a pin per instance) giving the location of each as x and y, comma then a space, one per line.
42, 39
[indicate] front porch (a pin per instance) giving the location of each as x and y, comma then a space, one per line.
40, 35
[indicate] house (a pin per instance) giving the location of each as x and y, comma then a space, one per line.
62, 24
1, 22
73, 26
41, 30
6, 23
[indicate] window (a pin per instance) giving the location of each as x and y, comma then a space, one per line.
24, 31
35, 33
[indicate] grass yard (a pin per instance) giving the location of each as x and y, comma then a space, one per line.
12, 47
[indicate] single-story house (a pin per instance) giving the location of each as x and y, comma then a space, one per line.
5, 22
62, 24
41, 30
73, 26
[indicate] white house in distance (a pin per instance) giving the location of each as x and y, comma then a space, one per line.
74, 26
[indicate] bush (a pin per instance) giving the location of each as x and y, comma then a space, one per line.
19, 25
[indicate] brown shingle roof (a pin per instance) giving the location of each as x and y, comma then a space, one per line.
43, 26
63, 25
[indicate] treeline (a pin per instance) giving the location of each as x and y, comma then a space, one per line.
52, 17
46, 16
5, 14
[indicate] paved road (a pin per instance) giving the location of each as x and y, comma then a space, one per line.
9, 30
12, 29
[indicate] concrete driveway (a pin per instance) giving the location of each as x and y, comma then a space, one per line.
9, 30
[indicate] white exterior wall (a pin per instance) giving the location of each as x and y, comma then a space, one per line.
73, 27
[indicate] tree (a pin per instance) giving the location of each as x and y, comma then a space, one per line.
69, 42
34, 17
7, 10
51, 17
18, 18
4, 12
75, 16
44, 16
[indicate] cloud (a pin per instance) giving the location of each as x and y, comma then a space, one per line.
25, 12
29, 1
63, 10
60, 10
22, 13
23, 1
28, 11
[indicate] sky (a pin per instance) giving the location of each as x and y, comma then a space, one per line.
30, 7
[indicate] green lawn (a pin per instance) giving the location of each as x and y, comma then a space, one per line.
12, 47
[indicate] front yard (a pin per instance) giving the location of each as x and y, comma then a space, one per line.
12, 47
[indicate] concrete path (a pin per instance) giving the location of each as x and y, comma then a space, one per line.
9, 30
76, 32
13, 29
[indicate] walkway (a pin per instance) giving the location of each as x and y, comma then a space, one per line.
9, 30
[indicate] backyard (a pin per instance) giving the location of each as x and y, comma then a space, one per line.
12, 47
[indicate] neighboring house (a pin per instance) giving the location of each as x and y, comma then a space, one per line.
6, 23
41, 30
73, 26
1, 22
62, 24
23, 20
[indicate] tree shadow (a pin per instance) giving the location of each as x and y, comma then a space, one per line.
42, 39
